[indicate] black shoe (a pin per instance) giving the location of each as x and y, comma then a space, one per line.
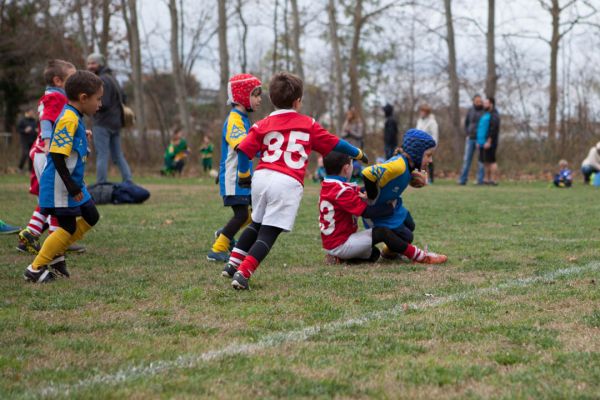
375, 254
240, 282
42, 275
76, 248
60, 265
229, 270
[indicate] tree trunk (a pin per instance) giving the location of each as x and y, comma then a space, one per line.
453, 84
105, 34
178, 77
298, 66
133, 36
244, 60
554, 42
355, 95
286, 35
223, 55
83, 40
491, 78
339, 69
276, 38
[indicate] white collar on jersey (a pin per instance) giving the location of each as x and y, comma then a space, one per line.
282, 111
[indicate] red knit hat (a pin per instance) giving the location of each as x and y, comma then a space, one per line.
240, 87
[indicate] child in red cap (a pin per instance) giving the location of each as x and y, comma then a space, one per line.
244, 91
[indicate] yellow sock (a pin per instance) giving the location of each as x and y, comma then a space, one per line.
82, 228
221, 244
54, 244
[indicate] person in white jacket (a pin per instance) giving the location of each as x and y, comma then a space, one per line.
427, 123
591, 164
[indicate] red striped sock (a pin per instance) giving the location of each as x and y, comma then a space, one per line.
414, 253
36, 223
248, 266
237, 256
52, 223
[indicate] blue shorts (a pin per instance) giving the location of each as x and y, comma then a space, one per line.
229, 201
68, 211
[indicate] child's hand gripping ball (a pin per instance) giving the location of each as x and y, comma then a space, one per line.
418, 178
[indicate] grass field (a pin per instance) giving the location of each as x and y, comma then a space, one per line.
515, 313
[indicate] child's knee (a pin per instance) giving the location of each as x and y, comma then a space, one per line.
90, 215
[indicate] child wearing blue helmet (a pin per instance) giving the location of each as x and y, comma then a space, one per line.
385, 183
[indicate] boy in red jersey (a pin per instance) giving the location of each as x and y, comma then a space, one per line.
284, 139
50, 106
340, 204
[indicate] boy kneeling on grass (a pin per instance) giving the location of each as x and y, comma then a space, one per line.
62, 190
340, 204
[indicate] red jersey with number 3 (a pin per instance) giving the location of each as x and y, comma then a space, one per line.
339, 207
50, 106
285, 139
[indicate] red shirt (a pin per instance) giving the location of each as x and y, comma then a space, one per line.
339, 207
285, 139
50, 106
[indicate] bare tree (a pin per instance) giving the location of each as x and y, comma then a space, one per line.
491, 77
223, 54
359, 19
298, 67
105, 33
178, 75
275, 38
244, 38
129, 8
339, 68
559, 30
453, 75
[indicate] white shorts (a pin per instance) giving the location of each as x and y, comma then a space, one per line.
275, 199
358, 245
39, 163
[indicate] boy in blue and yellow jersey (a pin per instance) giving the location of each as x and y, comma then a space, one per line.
245, 96
62, 190
385, 183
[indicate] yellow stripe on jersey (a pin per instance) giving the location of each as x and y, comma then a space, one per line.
385, 172
64, 132
236, 131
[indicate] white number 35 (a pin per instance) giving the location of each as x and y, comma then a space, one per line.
274, 142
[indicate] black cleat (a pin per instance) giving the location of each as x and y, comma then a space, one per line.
375, 254
60, 266
42, 275
229, 270
240, 282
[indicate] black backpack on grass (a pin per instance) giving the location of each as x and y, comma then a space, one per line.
118, 193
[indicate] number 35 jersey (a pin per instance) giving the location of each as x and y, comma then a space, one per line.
285, 139
339, 207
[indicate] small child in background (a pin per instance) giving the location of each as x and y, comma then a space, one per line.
176, 153
320, 171
207, 153
63, 192
564, 178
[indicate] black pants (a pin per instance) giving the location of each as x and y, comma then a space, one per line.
431, 172
257, 240
26, 143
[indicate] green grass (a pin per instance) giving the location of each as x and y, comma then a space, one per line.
145, 293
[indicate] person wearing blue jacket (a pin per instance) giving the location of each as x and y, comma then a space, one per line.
487, 142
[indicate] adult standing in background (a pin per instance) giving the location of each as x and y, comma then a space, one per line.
27, 128
427, 123
471, 122
390, 131
487, 142
108, 122
591, 164
353, 128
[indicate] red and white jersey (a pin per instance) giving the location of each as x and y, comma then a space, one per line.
50, 106
339, 207
285, 139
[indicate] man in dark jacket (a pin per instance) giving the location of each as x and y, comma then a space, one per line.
390, 131
471, 122
108, 122
27, 128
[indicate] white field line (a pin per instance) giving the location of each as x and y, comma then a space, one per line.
272, 340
